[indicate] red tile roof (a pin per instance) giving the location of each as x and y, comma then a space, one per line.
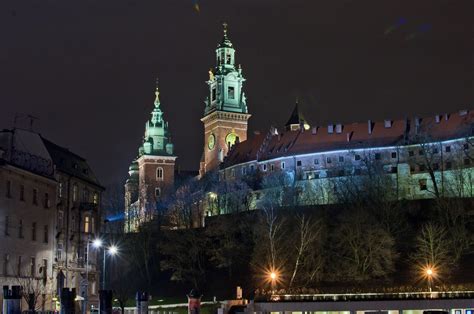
351, 136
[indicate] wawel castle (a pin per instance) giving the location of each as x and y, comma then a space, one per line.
413, 158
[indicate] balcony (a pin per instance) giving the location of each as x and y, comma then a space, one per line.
88, 206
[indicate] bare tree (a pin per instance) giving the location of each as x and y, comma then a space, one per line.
33, 290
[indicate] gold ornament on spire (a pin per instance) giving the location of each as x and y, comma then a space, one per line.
225, 28
157, 94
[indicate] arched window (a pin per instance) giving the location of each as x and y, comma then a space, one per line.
157, 192
159, 174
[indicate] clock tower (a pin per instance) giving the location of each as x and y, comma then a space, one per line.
225, 115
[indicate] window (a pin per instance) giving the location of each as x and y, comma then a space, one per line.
159, 174
60, 189
231, 92
157, 192
422, 183
59, 251
20, 229
465, 146
86, 224
394, 154
244, 170
22, 192
33, 267
422, 167
377, 156
74, 192
85, 195
228, 58
341, 158
35, 197
357, 156
411, 153
316, 161
282, 165
272, 167
232, 173
252, 168
33, 231
467, 161
60, 219
412, 168
421, 152
298, 163
18, 266
46, 200
393, 169
449, 165
328, 160
95, 198
46, 234
435, 150
448, 149
213, 94
6, 263
9, 189
7, 226
264, 167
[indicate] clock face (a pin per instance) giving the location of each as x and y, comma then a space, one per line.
211, 141
230, 139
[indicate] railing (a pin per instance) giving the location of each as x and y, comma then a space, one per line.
366, 296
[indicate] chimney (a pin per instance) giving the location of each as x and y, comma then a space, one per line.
273, 130
437, 118
387, 124
314, 130
370, 126
338, 128
446, 116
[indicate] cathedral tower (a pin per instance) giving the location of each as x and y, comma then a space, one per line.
151, 175
225, 115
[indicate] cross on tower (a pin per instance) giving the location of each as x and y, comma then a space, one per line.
225, 27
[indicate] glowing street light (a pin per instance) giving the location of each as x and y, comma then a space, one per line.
429, 272
97, 243
113, 250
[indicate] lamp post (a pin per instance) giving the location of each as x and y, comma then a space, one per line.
97, 243
112, 250
429, 274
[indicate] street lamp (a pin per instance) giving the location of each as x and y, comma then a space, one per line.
97, 243
111, 250
429, 273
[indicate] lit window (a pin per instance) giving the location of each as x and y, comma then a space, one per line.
159, 174
96, 198
86, 224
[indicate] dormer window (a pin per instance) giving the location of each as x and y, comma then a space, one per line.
159, 174
231, 92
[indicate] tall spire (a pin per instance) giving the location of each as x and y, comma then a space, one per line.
157, 95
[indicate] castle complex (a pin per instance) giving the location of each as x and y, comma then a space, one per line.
417, 157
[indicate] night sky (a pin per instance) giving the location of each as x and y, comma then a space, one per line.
87, 68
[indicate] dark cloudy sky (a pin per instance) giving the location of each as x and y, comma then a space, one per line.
87, 68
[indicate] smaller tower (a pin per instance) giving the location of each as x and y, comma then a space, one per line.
151, 175
296, 120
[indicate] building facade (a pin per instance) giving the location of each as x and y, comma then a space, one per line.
413, 158
49, 208
151, 174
